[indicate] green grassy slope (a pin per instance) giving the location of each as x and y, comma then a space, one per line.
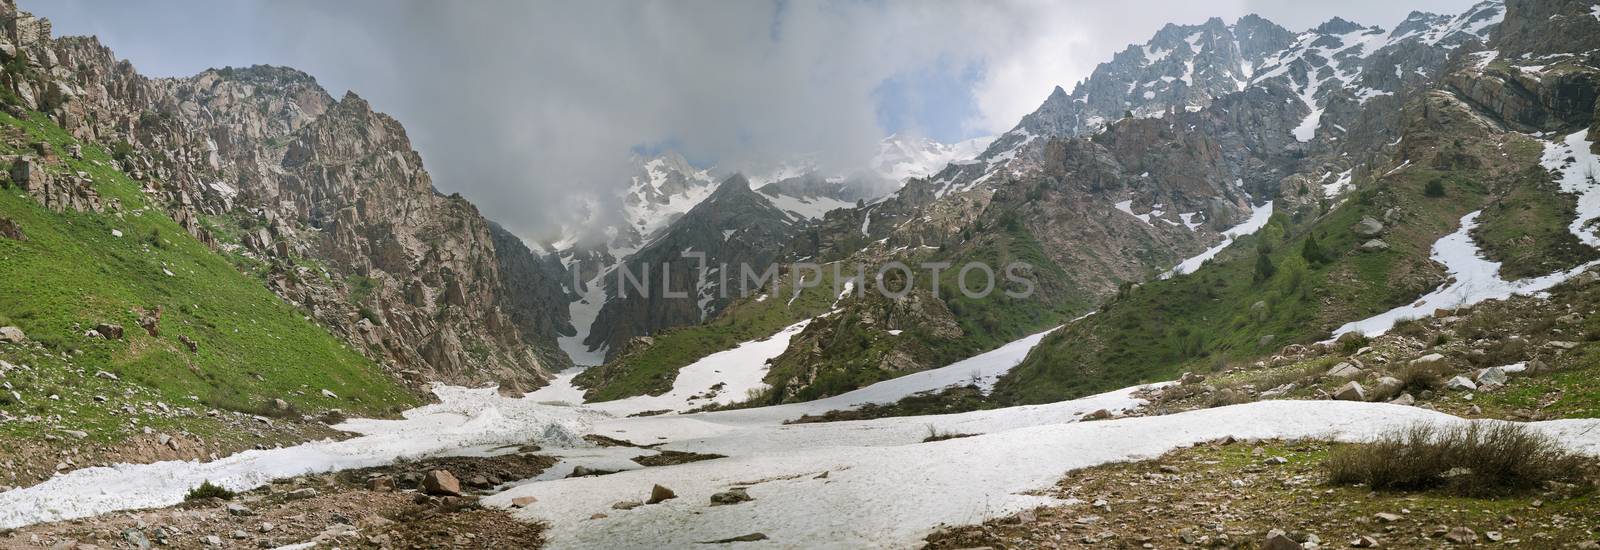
72, 273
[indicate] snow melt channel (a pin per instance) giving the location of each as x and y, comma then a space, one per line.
1258, 219
1475, 279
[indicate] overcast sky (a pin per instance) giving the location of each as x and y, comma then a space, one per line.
517, 104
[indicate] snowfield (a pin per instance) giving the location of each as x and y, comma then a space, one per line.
805, 478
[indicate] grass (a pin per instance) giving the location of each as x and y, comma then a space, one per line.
72, 273
1480, 459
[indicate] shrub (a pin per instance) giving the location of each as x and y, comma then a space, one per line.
208, 490
1426, 376
1476, 459
1312, 251
1434, 188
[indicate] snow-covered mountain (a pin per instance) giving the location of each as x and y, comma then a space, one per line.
900, 157
1187, 67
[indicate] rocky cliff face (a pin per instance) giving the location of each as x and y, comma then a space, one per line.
326, 192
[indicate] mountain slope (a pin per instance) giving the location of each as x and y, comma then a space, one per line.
84, 278
264, 161
1330, 264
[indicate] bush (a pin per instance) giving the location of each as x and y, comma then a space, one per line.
1427, 376
207, 490
1434, 188
1477, 459
1312, 251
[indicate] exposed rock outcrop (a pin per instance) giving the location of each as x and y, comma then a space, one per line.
413, 277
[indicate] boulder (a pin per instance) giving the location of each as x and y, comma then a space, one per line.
1462, 535
1429, 359
11, 230
1388, 385
441, 483
731, 496
382, 484
523, 502
1351, 391
1374, 245
1344, 370
626, 505
1278, 540
1100, 414
1460, 383
660, 494
12, 335
1368, 227
1405, 399
1493, 376
109, 331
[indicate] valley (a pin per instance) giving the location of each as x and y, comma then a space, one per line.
1284, 289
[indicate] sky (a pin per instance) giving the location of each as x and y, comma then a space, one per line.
522, 106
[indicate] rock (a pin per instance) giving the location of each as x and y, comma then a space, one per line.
1374, 245
239, 510
1364, 541
193, 347
1563, 345
1275, 461
523, 502
660, 494
1368, 227
1100, 414
109, 331
1344, 370
731, 496
1460, 383
441, 483
1429, 359
212, 540
136, 538
752, 537
1278, 540
1189, 379
1387, 385
279, 405
267, 527
1386, 517
1351, 391
11, 230
12, 335
598, 515
151, 322
1461, 535
1405, 399
1494, 376
301, 494
626, 505
479, 482
1493, 536
381, 484
329, 394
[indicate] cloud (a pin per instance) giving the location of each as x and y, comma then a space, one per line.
521, 106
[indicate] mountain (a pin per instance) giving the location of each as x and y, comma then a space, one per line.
263, 164
1236, 116
902, 157
666, 188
